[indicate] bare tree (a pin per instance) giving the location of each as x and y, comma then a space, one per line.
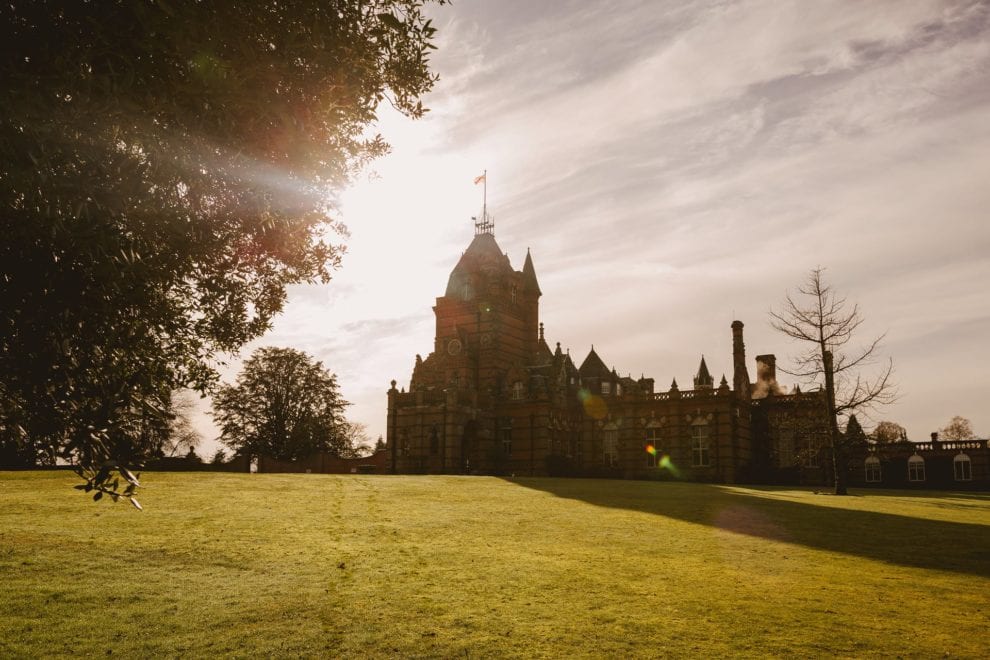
182, 435
958, 428
359, 442
823, 320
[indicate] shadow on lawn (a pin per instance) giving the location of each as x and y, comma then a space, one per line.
898, 539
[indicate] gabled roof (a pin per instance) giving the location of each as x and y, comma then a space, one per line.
543, 353
593, 367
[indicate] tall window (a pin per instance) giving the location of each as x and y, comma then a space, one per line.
813, 449
962, 468
783, 447
873, 474
517, 390
505, 434
652, 440
699, 446
434, 441
916, 468
606, 388
618, 389
611, 450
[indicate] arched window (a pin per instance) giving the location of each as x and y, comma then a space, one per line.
962, 467
916, 468
699, 446
873, 473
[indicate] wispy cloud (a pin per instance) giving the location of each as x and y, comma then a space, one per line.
677, 165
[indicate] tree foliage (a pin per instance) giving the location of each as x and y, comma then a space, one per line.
284, 405
855, 435
958, 428
167, 170
888, 432
826, 325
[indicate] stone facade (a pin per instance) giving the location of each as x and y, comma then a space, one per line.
493, 397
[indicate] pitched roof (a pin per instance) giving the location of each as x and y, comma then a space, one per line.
593, 367
482, 254
703, 379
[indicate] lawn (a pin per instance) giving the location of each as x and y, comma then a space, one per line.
319, 565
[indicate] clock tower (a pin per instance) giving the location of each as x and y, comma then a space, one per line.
487, 333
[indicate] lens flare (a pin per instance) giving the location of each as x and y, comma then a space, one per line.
650, 449
668, 465
594, 406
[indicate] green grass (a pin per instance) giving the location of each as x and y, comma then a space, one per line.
316, 565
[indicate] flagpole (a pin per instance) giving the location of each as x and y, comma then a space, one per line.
484, 199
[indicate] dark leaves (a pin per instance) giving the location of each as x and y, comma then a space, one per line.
105, 482
164, 171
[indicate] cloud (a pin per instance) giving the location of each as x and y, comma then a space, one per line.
677, 165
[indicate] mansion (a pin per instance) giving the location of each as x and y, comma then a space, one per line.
495, 397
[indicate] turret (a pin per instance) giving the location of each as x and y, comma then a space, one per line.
703, 380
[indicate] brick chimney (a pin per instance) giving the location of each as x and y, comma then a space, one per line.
766, 368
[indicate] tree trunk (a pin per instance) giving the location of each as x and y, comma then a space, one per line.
835, 439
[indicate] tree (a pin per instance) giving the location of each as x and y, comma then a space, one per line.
166, 170
854, 432
358, 440
888, 432
958, 428
179, 435
822, 320
284, 405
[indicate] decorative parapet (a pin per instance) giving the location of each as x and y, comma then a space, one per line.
950, 445
689, 394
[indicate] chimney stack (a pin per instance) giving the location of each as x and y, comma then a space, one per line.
766, 368
740, 377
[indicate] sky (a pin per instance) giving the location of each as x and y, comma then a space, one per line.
673, 166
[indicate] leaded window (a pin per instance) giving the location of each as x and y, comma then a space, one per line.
962, 468
699, 446
916, 468
610, 448
873, 471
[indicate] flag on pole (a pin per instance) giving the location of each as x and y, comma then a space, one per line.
478, 179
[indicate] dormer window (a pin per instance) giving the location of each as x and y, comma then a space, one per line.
606, 388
